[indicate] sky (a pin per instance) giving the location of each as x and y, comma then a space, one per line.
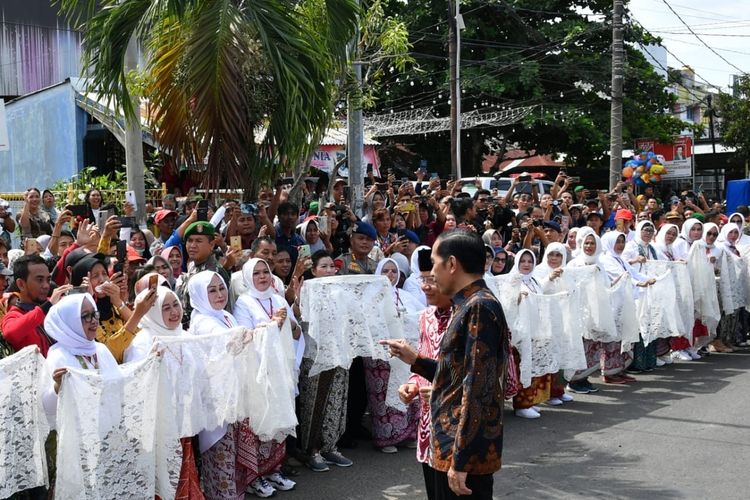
723, 24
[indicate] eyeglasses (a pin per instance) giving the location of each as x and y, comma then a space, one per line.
711, 233
500, 260
426, 281
648, 229
89, 317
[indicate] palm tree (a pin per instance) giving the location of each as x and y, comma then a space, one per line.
242, 86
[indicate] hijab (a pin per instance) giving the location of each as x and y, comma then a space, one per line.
402, 263
302, 228
505, 268
247, 276
153, 321
198, 292
544, 269
63, 323
661, 242
165, 254
81, 270
723, 237
609, 240
639, 227
686, 227
516, 269
381, 265
581, 256
487, 238
706, 228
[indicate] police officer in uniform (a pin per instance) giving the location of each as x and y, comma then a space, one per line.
357, 260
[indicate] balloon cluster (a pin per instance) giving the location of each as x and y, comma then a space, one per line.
644, 168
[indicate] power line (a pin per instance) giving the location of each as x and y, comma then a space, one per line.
700, 39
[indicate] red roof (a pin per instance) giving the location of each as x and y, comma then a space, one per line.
521, 160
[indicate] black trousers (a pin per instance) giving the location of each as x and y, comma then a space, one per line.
480, 486
429, 481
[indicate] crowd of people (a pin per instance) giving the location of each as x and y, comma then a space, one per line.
591, 282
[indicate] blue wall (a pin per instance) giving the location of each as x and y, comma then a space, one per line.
45, 131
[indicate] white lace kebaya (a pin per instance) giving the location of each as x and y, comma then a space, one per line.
23, 423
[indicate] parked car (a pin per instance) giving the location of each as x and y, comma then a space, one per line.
502, 184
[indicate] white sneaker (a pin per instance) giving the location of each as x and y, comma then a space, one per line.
554, 401
566, 398
528, 413
681, 356
660, 362
693, 354
536, 409
389, 449
261, 488
280, 482
667, 359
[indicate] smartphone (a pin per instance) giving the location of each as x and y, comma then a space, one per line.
130, 198
434, 175
369, 168
104, 216
409, 207
127, 222
404, 180
347, 192
153, 281
443, 184
78, 289
78, 210
304, 252
564, 223
122, 254
382, 186
202, 210
323, 224
575, 179
524, 178
236, 243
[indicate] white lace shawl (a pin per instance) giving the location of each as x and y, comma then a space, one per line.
592, 302
112, 434
658, 308
545, 329
622, 304
703, 281
733, 287
347, 316
23, 423
683, 292
119, 434
400, 371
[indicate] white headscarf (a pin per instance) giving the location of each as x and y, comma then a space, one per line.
198, 291
609, 240
544, 269
402, 297
706, 228
318, 245
661, 242
686, 226
639, 227
63, 323
153, 320
581, 259
728, 228
247, 277
403, 264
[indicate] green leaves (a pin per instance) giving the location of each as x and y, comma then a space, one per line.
220, 73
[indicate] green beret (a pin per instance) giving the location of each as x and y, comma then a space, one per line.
201, 228
699, 216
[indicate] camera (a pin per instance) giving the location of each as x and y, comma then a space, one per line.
555, 203
537, 223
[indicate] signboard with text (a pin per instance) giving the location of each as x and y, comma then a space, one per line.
676, 156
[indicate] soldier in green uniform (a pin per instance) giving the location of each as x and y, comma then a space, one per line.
199, 246
357, 260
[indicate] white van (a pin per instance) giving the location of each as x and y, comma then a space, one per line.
502, 184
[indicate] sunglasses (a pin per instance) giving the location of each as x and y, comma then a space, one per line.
89, 317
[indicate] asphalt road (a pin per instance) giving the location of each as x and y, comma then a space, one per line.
679, 432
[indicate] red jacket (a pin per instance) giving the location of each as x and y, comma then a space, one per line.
23, 327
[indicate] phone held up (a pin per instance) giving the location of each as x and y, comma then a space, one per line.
202, 208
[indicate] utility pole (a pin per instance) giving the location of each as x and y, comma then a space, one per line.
618, 74
711, 114
454, 53
134, 166
355, 133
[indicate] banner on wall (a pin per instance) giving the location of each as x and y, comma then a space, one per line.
326, 157
4, 142
676, 156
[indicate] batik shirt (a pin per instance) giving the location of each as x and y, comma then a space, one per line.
467, 384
